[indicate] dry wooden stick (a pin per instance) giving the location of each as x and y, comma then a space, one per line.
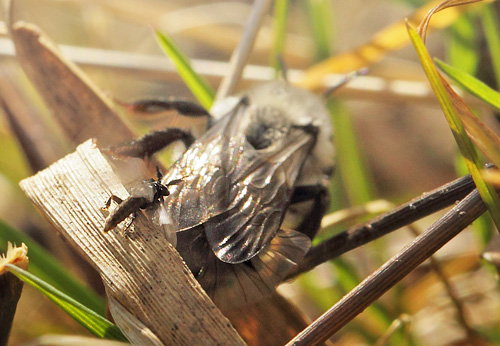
374, 286
398, 217
153, 296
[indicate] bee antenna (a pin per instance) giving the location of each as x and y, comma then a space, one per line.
159, 174
347, 78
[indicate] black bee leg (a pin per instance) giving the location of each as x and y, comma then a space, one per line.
159, 177
117, 199
321, 200
148, 107
153, 142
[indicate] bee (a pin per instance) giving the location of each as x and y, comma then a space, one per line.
264, 161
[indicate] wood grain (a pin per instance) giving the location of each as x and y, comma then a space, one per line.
153, 296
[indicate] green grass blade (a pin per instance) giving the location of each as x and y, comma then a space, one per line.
487, 141
489, 18
95, 323
322, 29
45, 266
198, 86
12, 162
483, 226
471, 84
353, 170
463, 43
464, 143
279, 31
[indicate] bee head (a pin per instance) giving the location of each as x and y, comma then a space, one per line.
266, 125
273, 109
279, 106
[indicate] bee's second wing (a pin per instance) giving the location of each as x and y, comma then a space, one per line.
231, 286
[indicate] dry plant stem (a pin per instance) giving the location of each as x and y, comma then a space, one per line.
399, 323
472, 336
403, 215
153, 296
79, 107
10, 292
368, 291
157, 68
242, 52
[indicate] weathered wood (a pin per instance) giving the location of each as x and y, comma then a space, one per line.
153, 296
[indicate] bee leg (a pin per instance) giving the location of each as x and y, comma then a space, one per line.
153, 142
117, 199
321, 200
148, 107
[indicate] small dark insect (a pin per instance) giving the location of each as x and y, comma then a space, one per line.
146, 195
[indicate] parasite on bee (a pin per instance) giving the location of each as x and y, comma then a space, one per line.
148, 194
264, 161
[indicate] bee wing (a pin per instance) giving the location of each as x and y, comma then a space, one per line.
231, 286
260, 186
238, 193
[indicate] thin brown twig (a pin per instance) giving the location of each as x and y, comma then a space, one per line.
452, 223
403, 215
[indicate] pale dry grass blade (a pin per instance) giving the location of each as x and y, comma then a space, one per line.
242, 52
153, 297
